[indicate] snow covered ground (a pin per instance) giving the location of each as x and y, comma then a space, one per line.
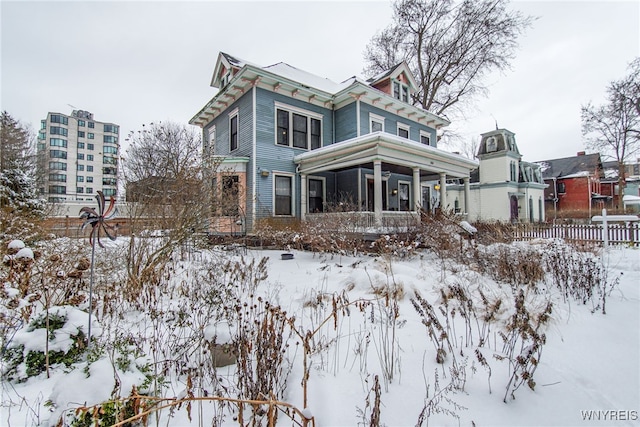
588, 372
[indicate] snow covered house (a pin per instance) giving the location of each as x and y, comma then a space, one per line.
574, 184
290, 144
503, 187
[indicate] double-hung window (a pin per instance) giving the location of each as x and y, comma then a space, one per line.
403, 130
233, 131
298, 128
283, 195
425, 138
376, 123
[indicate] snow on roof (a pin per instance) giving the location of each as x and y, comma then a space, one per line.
577, 174
285, 70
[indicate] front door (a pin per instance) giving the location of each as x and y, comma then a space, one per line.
370, 193
514, 208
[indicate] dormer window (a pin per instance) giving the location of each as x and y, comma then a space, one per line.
400, 91
225, 79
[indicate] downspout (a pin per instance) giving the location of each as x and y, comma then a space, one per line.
555, 199
254, 156
357, 116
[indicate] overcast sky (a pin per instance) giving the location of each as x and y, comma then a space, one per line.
139, 62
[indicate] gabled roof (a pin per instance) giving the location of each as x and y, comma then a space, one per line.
393, 73
291, 81
582, 165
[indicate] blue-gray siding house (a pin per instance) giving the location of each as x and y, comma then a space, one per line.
286, 143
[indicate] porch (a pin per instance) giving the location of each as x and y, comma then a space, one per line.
376, 157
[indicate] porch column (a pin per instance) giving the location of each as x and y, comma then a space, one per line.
443, 191
377, 191
417, 203
303, 197
467, 195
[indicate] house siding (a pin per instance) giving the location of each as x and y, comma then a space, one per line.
276, 158
391, 123
345, 123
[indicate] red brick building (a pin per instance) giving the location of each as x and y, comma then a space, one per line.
574, 185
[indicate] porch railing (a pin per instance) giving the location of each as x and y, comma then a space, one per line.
359, 222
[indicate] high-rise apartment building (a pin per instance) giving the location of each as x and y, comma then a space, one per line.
77, 157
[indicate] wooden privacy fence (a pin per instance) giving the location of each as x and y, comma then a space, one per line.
618, 234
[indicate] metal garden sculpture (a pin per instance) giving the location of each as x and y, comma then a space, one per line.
96, 219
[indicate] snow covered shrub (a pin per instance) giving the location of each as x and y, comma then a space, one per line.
577, 275
523, 339
50, 339
516, 265
395, 246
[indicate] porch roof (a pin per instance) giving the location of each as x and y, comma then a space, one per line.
394, 151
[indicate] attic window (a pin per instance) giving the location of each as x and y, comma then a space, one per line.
225, 79
400, 91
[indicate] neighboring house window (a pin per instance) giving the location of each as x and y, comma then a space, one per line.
59, 119
513, 169
283, 195
530, 209
405, 94
491, 144
57, 142
57, 189
58, 154
58, 166
57, 130
111, 128
229, 199
298, 128
540, 209
396, 90
403, 196
316, 195
425, 137
233, 132
403, 131
376, 123
561, 188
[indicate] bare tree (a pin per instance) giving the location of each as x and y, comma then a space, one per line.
614, 127
449, 47
166, 194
